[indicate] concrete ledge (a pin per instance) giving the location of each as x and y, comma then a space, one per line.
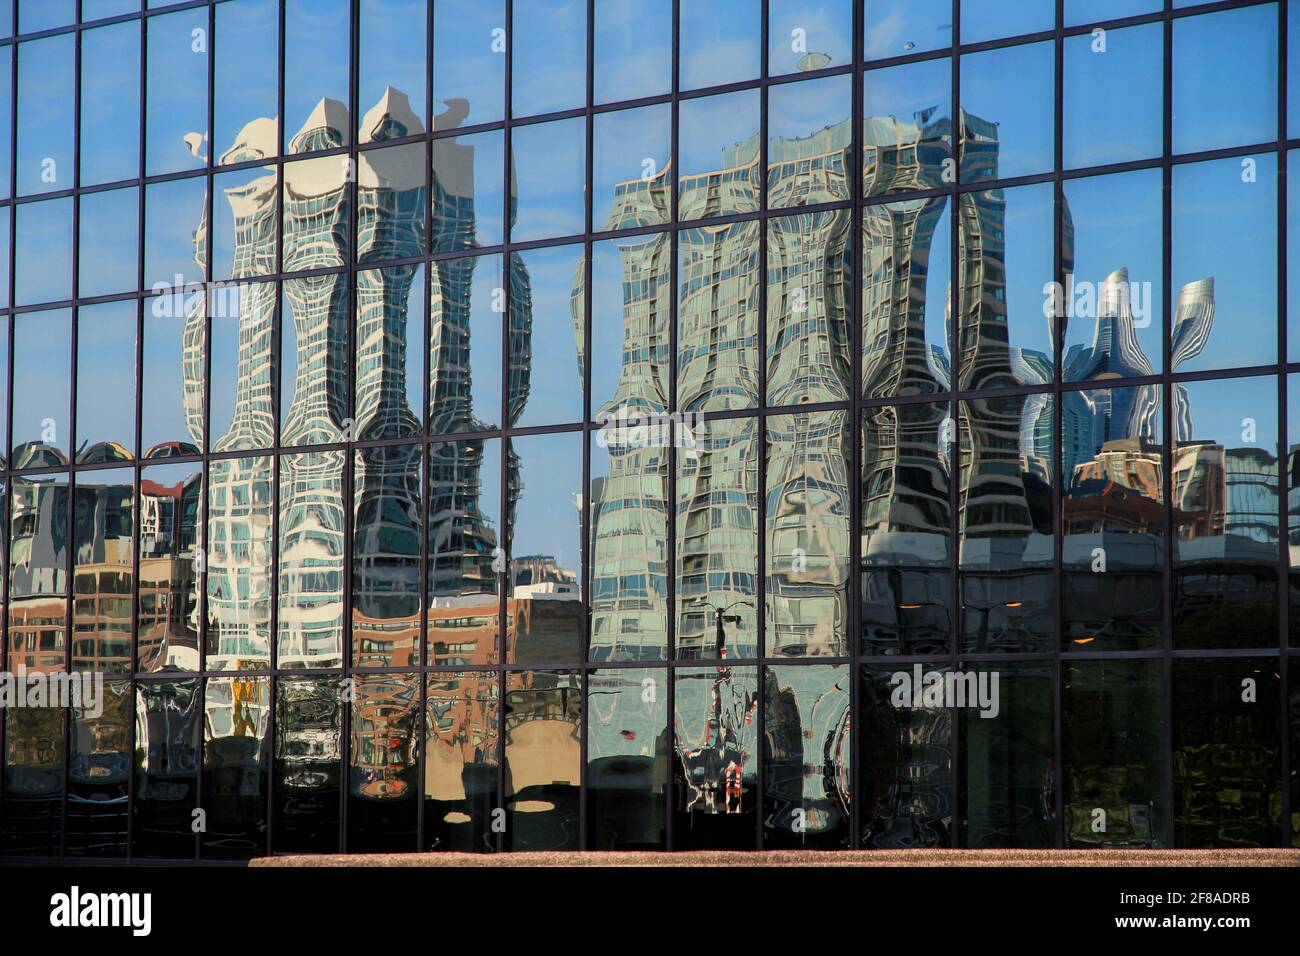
1088, 858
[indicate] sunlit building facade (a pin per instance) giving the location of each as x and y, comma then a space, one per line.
812, 429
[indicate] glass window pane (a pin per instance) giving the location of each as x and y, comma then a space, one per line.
631, 178
907, 127
43, 257
1095, 11
1224, 239
807, 757
1007, 107
627, 758
314, 360
317, 213
466, 552
467, 301
547, 323
98, 9
310, 560
35, 764
1226, 750
236, 719
38, 578
1007, 583
469, 61
808, 533
390, 352
168, 721
1113, 302
244, 240
37, 15
393, 70
242, 323
238, 563
549, 56
906, 585
176, 124
631, 303
1292, 255
468, 191
316, 54
1112, 465
550, 167
246, 83
715, 766
174, 255
906, 285
46, 120
6, 112
718, 155
1007, 796
543, 752
462, 754
171, 516
1005, 255
720, 42
387, 490
809, 296
383, 770
634, 49
1225, 79
308, 764
990, 19
629, 533
809, 140
110, 103
392, 208
906, 759
544, 505
1112, 728
717, 317
1113, 97
98, 774
1224, 491
809, 35
42, 374
172, 380
717, 541
106, 336
109, 252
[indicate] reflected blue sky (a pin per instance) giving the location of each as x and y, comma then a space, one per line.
1113, 99
465, 64
633, 49
177, 91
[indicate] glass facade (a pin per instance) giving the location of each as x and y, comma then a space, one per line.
496, 425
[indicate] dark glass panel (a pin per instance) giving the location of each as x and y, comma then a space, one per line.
807, 757
99, 767
168, 722
627, 758
715, 766
1008, 793
34, 773
235, 765
308, 756
1113, 723
905, 745
1227, 753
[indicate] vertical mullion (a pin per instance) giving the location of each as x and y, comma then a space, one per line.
1058, 478
670, 576
505, 494
760, 436
584, 504
1283, 460
954, 443
1170, 442
853, 636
